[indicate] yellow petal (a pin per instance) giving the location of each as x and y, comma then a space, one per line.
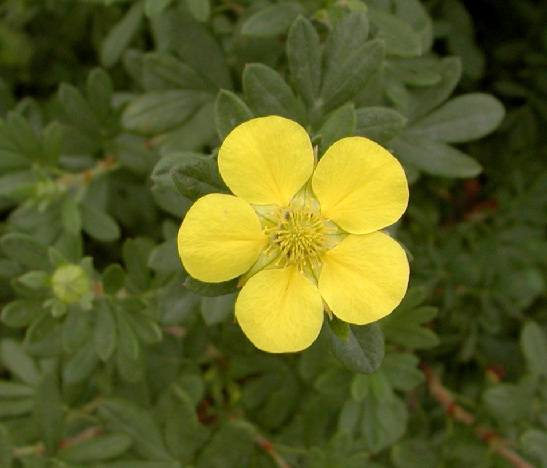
360, 185
267, 160
220, 238
364, 277
280, 310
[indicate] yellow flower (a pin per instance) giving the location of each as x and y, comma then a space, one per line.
305, 236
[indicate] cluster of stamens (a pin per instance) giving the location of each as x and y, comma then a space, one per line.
299, 238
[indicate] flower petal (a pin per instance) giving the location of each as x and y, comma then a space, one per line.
280, 310
220, 238
360, 185
364, 277
267, 160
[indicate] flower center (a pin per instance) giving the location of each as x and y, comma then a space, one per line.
299, 237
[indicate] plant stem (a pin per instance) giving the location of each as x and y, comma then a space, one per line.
497, 442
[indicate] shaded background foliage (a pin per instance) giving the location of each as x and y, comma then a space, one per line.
111, 113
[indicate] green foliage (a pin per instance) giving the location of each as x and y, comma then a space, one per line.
111, 356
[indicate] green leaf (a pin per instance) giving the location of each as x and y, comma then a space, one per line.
272, 19
533, 343
78, 111
113, 278
304, 55
340, 328
159, 111
10, 389
415, 453
400, 39
363, 352
22, 312
105, 334
129, 350
230, 111
71, 217
534, 442
349, 34
162, 71
196, 175
415, 14
228, 446
25, 250
121, 35
383, 421
215, 310
339, 124
12, 408
424, 99
81, 364
200, 9
23, 135
136, 253
124, 416
211, 289
268, 94
76, 329
48, 411
183, 33
182, 423
508, 402
165, 257
19, 363
145, 327
98, 224
462, 119
343, 83
6, 447
98, 448
401, 371
99, 93
379, 124
435, 157
154, 7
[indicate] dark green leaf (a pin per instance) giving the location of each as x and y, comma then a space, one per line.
145, 327
230, 111
99, 93
48, 411
105, 334
508, 402
383, 421
215, 310
121, 34
199, 9
346, 81
81, 364
272, 19
464, 118
228, 446
363, 352
25, 250
22, 312
348, 35
533, 343
196, 175
268, 94
159, 111
435, 157
121, 415
399, 37
18, 362
379, 124
423, 100
113, 278
6, 447
339, 124
534, 442
77, 110
304, 55
10, 389
98, 224
401, 371
415, 453
162, 71
154, 7
211, 289
98, 448
165, 257
76, 330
